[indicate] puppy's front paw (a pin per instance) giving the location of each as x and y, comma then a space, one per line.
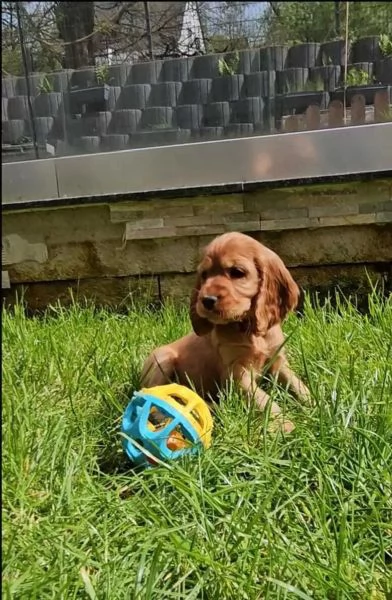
304, 395
279, 424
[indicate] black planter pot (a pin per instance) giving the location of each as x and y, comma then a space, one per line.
208, 133
227, 88
35, 80
367, 49
297, 103
75, 128
18, 107
148, 72
96, 124
266, 128
64, 148
88, 143
114, 141
235, 130
329, 76
8, 85
83, 78
60, 80
303, 56
113, 100
216, 114
189, 116
368, 91
4, 109
291, 80
384, 71
135, 96
177, 69
43, 128
195, 91
47, 105
249, 61
205, 67
12, 131
165, 94
334, 53
58, 126
259, 84
273, 58
158, 117
92, 99
118, 74
125, 121
146, 139
271, 111
248, 110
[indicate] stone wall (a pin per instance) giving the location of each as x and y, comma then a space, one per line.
327, 234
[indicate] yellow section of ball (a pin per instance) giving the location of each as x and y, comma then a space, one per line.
190, 405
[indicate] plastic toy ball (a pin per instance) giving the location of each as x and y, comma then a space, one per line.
167, 421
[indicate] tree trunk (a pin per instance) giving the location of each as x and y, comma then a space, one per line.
75, 21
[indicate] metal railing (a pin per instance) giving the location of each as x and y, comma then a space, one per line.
225, 166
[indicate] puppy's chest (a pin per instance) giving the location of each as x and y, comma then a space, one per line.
243, 349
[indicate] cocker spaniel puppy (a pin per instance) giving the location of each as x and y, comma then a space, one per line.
243, 292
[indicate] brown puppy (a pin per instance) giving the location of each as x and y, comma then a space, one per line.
243, 292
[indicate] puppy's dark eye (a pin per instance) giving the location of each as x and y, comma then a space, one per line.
236, 273
203, 275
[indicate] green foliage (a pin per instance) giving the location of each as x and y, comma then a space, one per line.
229, 65
102, 74
43, 51
225, 26
385, 44
45, 86
357, 77
159, 126
11, 61
45, 60
299, 22
316, 85
220, 43
386, 116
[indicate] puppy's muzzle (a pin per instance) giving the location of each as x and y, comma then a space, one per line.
209, 302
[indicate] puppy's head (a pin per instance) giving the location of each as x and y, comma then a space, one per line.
240, 280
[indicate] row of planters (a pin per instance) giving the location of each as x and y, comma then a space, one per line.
264, 114
190, 116
375, 50
154, 137
254, 113
17, 131
199, 91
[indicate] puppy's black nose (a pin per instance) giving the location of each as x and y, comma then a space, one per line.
209, 302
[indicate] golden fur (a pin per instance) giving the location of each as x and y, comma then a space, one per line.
252, 291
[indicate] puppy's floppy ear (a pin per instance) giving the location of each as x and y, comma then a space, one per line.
278, 293
200, 326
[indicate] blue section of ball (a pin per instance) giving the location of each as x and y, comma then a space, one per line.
136, 429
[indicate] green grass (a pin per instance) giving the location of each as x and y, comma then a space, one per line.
258, 516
